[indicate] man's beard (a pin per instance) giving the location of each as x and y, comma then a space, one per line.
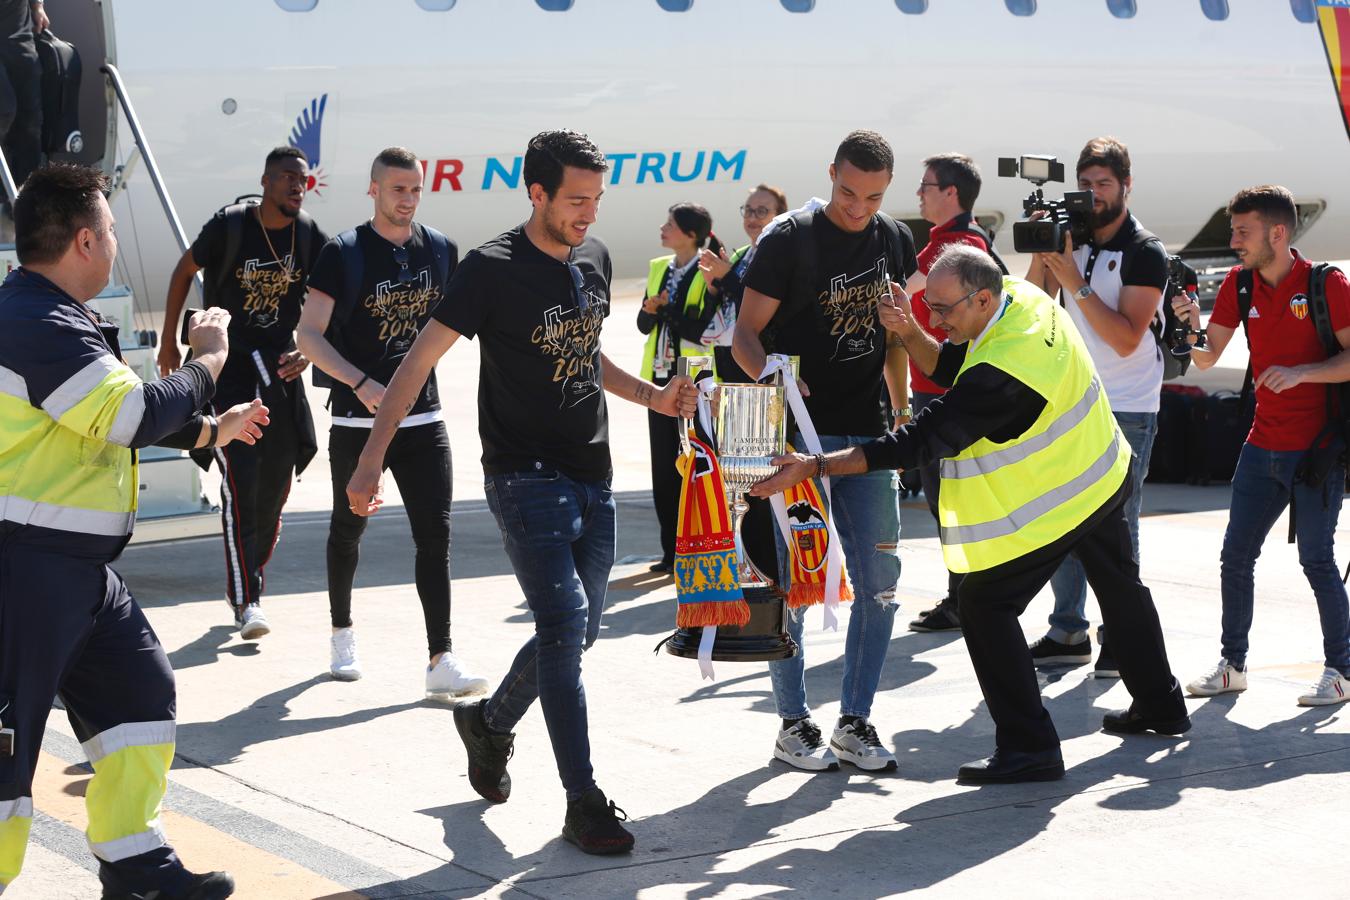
1108, 214
1265, 257
558, 233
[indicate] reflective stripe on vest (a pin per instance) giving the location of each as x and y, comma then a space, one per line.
693, 304
1001, 500
992, 462
22, 511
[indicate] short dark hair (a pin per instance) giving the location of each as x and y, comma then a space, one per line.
692, 219
959, 171
1273, 203
393, 158
549, 152
780, 198
866, 150
286, 151
973, 268
56, 201
1105, 151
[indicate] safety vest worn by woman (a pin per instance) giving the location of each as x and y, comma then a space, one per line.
1001, 501
693, 308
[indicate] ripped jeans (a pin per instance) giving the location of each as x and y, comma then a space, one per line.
866, 512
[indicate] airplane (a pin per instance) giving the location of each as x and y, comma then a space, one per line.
702, 99
699, 100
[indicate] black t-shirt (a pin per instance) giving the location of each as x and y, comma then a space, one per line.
375, 329
832, 324
541, 400
262, 290
16, 18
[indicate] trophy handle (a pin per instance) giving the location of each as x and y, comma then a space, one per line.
693, 366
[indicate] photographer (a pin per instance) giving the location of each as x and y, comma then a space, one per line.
1112, 287
1272, 295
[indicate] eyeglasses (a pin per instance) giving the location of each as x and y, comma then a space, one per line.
754, 212
578, 283
942, 312
928, 184
405, 275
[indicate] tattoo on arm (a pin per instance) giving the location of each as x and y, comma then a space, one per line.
643, 394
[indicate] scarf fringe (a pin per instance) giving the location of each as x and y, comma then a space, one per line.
812, 594
716, 614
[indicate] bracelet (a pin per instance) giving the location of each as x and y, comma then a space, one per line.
820, 465
357, 386
214, 424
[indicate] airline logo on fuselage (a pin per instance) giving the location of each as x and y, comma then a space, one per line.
495, 173
306, 135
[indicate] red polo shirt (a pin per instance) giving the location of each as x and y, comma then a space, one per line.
939, 236
1282, 334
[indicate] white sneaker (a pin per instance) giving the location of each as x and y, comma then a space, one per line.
1332, 688
448, 678
857, 743
1224, 678
802, 746
253, 624
343, 664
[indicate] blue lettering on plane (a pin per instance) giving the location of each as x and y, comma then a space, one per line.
641, 167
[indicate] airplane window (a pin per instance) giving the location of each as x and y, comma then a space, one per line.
800, 6
1215, 9
675, 5
1122, 9
913, 7
436, 5
1303, 10
554, 5
297, 5
1021, 7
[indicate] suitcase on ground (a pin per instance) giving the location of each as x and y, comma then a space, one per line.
61, 73
1219, 426
1169, 463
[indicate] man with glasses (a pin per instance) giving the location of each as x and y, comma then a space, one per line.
947, 193
1025, 425
1113, 288
372, 290
254, 258
537, 297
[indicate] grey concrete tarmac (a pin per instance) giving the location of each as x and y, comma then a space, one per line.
306, 787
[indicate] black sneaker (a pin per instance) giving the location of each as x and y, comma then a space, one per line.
1105, 666
1049, 652
488, 753
942, 617
592, 824
208, 886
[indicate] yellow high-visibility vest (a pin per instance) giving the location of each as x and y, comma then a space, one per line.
1001, 501
693, 306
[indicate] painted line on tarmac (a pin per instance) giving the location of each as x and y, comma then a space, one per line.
266, 859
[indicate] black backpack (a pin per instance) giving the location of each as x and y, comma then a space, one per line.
988, 237
354, 269
1166, 324
61, 72
213, 280
898, 238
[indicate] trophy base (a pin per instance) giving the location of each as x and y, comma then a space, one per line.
762, 639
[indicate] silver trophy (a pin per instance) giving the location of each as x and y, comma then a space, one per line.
751, 431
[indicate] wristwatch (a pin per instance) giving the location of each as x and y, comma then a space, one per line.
906, 411
1083, 292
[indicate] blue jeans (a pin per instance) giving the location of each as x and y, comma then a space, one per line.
1068, 622
866, 512
1262, 487
559, 535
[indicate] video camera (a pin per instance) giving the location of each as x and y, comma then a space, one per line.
1071, 215
1181, 278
